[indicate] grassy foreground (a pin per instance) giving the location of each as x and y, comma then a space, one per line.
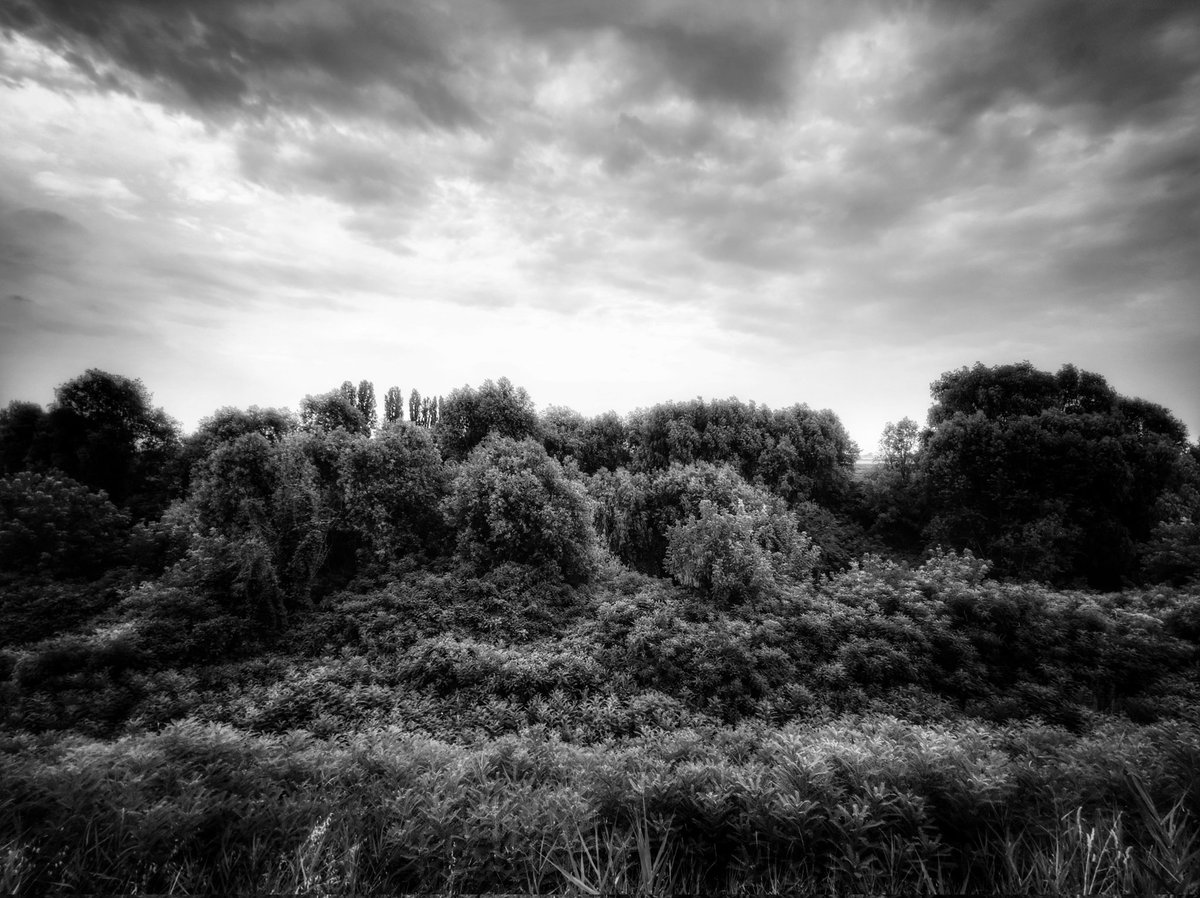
866, 805
884, 730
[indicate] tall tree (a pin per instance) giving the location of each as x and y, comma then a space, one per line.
393, 405
414, 406
898, 446
365, 402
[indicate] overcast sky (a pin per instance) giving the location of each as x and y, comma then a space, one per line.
611, 202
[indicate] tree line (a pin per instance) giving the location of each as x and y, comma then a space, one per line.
1049, 476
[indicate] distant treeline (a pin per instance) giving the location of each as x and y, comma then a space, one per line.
1053, 477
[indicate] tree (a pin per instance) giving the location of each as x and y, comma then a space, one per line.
735, 555
20, 425
227, 424
511, 503
560, 427
103, 431
799, 453
54, 527
393, 405
898, 447
365, 403
325, 450
332, 411
414, 406
261, 526
392, 487
999, 392
1172, 554
1051, 477
637, 511
468, 415
603, 443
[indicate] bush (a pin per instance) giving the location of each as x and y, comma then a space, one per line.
52, 526
738, 556
34, 608
260, 526
392, 487
511, 502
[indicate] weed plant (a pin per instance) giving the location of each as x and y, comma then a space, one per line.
866, 805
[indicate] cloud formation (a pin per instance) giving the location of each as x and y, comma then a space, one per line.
368, 56
813, 180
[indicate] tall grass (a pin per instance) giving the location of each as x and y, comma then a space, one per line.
870, 806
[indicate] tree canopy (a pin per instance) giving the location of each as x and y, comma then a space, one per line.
511, 502
1054, 477
468, 415
104, 431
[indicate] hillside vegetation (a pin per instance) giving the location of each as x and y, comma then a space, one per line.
465, 646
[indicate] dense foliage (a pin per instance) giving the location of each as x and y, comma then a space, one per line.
688, 650
1053, 477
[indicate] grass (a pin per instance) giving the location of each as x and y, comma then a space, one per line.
864, 805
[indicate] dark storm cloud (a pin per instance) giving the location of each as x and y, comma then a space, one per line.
739, 55
1111, 62
740, 67
419, 63
370, 56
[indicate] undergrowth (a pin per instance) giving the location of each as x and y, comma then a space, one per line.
869, 805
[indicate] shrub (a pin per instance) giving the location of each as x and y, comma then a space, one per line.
392, 487
511, 502
737, 556
51, 525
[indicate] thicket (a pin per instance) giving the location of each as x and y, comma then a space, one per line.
686, 650
871, 805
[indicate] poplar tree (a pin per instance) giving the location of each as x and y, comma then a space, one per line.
365, 403
393, 405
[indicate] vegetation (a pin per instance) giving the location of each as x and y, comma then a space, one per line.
486, 649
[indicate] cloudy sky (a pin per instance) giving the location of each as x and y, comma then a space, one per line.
611, 202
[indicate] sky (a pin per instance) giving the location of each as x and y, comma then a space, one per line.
611, 202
